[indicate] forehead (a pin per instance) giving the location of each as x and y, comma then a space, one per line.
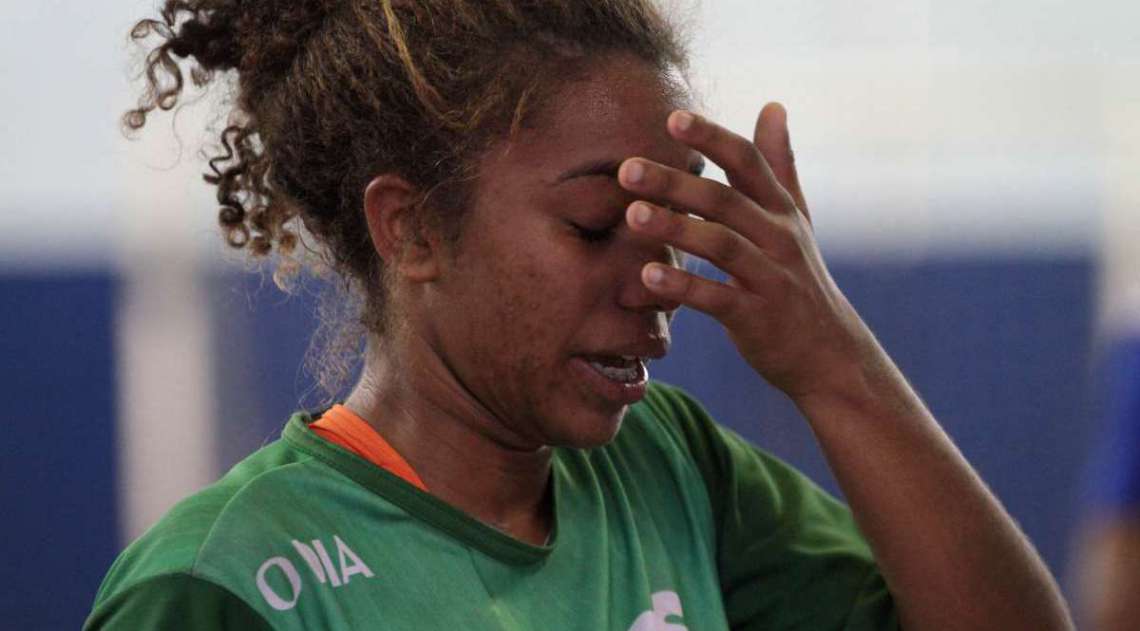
616, 110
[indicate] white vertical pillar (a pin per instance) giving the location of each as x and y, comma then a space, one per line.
167, 442
1120, 271
167, 221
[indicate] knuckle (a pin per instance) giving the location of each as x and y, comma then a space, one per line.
790, 252
786, 244
787, 202
723, 303
728, 247
783, 284
747, 156
688, 291
665, 181
722, 196
733, 306
799, 228
673, 227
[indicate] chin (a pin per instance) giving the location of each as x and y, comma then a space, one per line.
590, 428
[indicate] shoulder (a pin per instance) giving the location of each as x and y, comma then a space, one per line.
225, 525
175, 601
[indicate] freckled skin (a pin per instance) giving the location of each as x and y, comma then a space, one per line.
524, 292
478, 385
476, 382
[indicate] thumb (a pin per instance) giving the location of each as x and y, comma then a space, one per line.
775, 144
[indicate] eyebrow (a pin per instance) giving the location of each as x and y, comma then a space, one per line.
609, 168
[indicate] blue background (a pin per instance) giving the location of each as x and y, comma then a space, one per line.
999, 349
57, 455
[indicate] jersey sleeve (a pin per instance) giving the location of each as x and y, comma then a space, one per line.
175, 602
789, 555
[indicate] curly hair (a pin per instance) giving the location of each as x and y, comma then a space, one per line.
330, 93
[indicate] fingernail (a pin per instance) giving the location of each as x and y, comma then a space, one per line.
642, 213
634, 172
654, 275
684, 121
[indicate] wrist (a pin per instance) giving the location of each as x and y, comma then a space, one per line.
868, 387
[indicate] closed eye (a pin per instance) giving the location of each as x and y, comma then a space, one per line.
591, 235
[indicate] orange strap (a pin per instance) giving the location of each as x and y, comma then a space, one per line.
342, 426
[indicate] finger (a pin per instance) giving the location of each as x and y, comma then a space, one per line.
708, 240
708, 296
693, 193
775, 144
745, 166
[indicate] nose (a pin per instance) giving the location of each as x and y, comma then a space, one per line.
633, 294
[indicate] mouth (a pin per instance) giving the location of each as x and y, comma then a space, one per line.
618, 379
623, 369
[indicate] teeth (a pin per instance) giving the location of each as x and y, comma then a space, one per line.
627, 374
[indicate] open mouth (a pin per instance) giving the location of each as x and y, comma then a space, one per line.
617, 373
625, 369
619, 379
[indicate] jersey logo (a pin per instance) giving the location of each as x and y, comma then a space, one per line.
320, 564
665, 604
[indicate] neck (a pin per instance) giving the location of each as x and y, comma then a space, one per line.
464, 455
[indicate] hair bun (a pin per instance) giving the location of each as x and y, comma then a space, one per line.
212, 42
277, 30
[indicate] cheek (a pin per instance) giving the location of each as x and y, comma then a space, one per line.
527, 294
536, 303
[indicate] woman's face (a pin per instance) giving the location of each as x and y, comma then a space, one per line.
544, 284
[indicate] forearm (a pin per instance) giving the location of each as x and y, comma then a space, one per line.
952, 556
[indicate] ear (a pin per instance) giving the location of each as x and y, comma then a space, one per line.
389, 204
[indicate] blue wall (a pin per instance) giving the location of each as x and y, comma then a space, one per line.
1114, 472
999, 350
57, 455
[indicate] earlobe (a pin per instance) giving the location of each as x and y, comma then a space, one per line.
389, 208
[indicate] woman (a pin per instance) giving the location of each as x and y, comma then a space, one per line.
503, 185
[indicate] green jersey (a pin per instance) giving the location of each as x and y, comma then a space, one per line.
677, 524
